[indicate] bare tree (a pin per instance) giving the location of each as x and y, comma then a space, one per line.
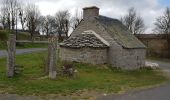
32, 18
76, 19
47, 25
62, 19
163, 23
22, 17
3, 18
10, 7
41, 25
133, 22
162, 26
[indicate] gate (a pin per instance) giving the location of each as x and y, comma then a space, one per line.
52, 61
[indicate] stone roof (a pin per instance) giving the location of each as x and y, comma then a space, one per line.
84, 40
119, 32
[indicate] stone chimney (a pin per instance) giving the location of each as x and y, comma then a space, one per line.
90, 12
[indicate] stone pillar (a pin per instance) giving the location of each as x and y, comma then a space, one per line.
11, 46
52, 53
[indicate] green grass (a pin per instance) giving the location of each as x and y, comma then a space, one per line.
26, 45
90, 77
3, 45
159, 59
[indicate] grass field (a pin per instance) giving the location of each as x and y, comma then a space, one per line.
21, 36
99, 78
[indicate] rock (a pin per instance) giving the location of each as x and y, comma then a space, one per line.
152, 65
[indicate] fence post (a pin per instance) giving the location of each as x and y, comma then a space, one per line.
11, 46
52, 49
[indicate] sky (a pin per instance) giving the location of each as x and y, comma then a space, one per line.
149, 10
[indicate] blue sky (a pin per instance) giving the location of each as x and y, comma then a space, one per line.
165, 2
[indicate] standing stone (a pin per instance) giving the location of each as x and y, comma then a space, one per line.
52, 58
47, 60
11, 43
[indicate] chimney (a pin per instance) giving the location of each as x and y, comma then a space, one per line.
90, 12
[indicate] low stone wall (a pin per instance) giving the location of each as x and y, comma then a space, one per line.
85, 55
156, 44
156, 47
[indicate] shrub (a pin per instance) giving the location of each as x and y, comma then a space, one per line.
4, 35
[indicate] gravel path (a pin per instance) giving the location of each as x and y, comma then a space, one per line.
3, 53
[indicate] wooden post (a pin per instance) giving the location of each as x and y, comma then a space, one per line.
11, 44
52, 57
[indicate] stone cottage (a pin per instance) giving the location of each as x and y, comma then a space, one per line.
99, 40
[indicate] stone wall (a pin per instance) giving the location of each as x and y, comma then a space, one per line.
156, 45
85, 55
130, 58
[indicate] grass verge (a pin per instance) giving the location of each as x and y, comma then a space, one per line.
90, 77
159, 59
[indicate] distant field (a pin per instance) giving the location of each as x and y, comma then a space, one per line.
100, 78
21, 36
26, 45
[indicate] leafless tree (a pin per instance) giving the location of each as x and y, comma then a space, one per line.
163, 23
22, 17
10, 7
133, 22
32, 18
48, 24
76, 19
41, 25
162, 26
62, 20
3, 17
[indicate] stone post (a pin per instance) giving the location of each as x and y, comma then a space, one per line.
11, 46
52, 50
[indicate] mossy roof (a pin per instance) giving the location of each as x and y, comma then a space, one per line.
120, 33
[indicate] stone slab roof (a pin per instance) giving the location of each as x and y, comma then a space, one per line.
84, 40
120, 33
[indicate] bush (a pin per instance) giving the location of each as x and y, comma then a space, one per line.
3, 38
4, 35
24, 36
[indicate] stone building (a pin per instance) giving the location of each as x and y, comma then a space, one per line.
99, 39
